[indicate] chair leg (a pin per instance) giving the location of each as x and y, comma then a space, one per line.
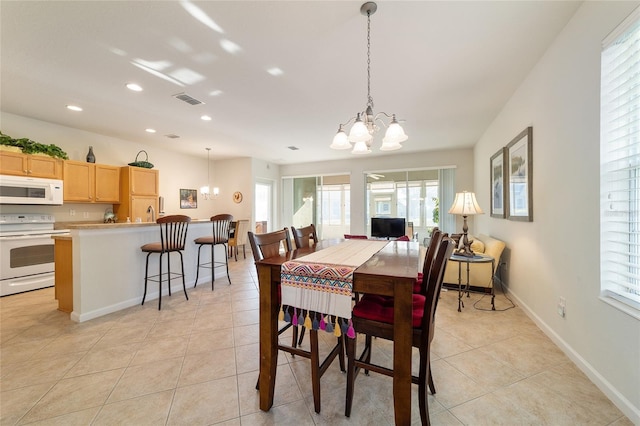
169, 271
160, 282
244, 251
432, 386
422, 386
351, 375
198, 266
146, 275
341, 342
368, 347
213, 265
315, 369
184, 284
226, 262
301, 336
235, 252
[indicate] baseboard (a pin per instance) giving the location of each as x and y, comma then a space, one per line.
620, 401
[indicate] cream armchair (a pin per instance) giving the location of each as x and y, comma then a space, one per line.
480, 274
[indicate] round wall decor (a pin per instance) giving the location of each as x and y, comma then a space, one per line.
237, 197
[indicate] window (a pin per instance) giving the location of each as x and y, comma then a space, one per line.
620, 166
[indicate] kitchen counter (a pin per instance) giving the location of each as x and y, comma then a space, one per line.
107, 265
116, 225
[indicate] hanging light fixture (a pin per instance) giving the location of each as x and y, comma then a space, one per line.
204, 190
364, 123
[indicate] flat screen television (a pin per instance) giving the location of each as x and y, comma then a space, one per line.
387, 227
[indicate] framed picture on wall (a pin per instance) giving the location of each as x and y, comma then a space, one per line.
499, 194
519, 158
188, 199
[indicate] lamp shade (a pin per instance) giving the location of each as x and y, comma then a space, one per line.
359, 132
361, 148
204, 190
389, 145
340, 140
465, 204
395, 133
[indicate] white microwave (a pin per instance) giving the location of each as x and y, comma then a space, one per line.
28, 190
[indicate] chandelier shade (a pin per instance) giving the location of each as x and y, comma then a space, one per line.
365, 124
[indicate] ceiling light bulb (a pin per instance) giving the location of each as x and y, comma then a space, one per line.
205, 118
74, 108
134, 87
150, 130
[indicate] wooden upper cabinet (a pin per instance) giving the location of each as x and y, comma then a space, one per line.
91, 183
39, 166
142, 181
139, 189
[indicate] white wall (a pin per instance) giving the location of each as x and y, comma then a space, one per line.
557, 255
461, 159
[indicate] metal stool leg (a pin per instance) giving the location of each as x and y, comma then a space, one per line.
146, 275
184, 285
197, 267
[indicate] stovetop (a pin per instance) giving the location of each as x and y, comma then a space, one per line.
26, 224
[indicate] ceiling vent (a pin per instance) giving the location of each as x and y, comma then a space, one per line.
172, 136
293, 148
188, 99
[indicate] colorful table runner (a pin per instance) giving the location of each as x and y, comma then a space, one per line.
319, 285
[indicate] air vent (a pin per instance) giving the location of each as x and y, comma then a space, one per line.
293, 148
188, 99
172, 136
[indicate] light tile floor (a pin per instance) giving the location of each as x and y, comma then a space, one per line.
196, 361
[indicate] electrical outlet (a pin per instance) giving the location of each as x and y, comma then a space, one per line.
562, 305
85, 215
72, 212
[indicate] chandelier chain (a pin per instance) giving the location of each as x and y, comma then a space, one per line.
369, 98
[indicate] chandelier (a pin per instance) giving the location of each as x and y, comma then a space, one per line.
365, 123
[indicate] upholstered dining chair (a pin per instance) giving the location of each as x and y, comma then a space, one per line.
303, 236
173, 235
238, 238
436, 238
373, 316
268, 245
221, 224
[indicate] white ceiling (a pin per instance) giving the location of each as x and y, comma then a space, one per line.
446, 67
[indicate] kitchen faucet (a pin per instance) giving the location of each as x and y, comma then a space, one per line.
151, 210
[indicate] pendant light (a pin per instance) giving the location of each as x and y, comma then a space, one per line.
365, 123
204, 190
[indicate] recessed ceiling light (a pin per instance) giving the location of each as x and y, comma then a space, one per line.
74, 108
275, 71
230, 46
215, 92
206, 118
135, 87
150, 130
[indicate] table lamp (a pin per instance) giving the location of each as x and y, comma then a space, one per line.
465, 204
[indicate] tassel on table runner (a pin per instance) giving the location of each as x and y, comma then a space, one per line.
307, 321
287, 315
315, 322
336, 330
329, 326
294, 319
301, 318
323, 324
281, 314
351, 332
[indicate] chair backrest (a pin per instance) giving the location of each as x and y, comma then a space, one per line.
221, 225
173, 232
436, 238
434, 285
242, 226
303, 236
268, 245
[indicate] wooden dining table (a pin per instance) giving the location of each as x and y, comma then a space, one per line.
390, 272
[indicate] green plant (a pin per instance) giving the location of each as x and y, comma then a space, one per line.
32, 147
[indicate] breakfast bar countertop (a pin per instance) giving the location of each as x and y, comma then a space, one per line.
118, 225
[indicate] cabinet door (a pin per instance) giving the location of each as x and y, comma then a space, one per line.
143, 181
13, 163
78, 181
107, 180
43, 166
140, 205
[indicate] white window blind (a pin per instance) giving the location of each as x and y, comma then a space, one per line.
620, 164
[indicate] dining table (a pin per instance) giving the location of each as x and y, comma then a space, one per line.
391, 271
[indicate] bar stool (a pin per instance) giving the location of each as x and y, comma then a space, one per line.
221, 224
173, 235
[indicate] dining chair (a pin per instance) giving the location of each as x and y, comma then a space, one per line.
173, 235
436, 238
268, 245
303, 236
373, 316
238, 238
221, 224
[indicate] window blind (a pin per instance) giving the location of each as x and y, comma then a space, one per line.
620, 163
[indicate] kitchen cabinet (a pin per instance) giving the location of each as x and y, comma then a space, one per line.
139, 189
91, 183
39, 166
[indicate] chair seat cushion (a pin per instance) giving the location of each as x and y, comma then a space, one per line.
210, 240
380, 308
154, 247
417, 286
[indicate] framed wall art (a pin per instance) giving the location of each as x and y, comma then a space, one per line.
519, 158
499, 194
188, 199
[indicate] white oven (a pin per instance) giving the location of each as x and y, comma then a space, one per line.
26, 252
